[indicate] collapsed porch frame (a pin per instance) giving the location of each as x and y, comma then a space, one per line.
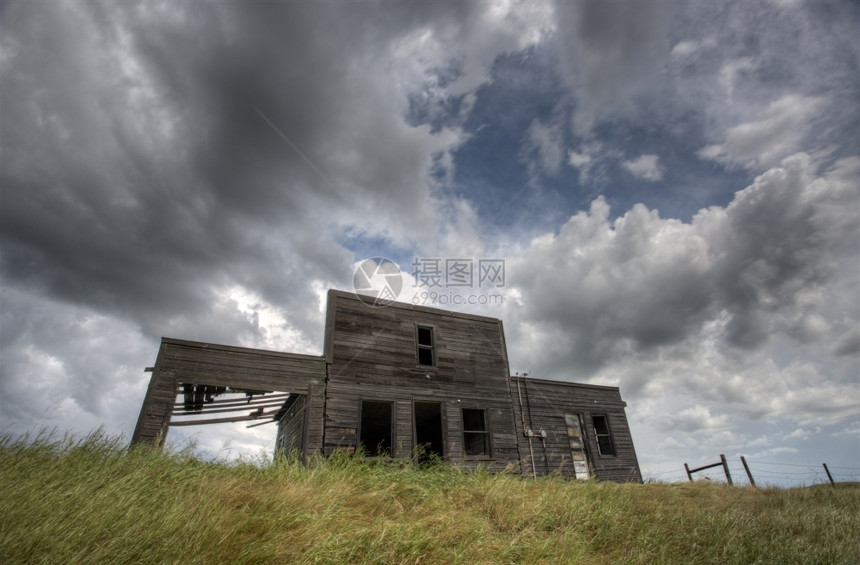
261, 373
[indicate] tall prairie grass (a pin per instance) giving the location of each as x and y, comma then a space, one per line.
92, 500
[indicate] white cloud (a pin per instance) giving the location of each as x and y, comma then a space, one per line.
852, 429
544, 149
685, 48
799, 433
583, 161
735, 73
689, 51
694, 419
462, 41
592, 160
645, 167
778, 451
693, 320
579, 160
776, 132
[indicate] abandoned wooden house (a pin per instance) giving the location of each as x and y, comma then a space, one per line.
390, 379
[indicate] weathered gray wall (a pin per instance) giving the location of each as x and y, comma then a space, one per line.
372, 355
544, 406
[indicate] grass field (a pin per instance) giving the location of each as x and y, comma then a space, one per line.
91, 500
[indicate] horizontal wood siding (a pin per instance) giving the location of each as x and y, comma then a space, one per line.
372, 355
192, 362
504, 450
544, 406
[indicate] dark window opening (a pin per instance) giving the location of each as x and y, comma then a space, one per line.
425, 346
428, 430
476, 438
604, 438
375, 428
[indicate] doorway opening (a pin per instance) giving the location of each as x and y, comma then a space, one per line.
429, 439
375, 431
577, 446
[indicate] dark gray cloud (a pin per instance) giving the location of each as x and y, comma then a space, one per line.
141, 172
612, 52
192, 170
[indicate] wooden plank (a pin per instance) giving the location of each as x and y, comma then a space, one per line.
228, 402
224, 420
244, 408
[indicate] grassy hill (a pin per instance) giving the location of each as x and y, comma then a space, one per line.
90, 500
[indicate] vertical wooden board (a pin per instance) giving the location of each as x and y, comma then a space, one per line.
152, 423
291, 429
454, 432
315, 410
403, 436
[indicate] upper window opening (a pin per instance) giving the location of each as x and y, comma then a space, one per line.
426, 355
603, 435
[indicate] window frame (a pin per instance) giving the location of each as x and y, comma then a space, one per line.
610, 441
425, 347
486, 433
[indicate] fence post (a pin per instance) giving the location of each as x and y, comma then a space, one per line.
726, 468
747, 469
829, 476
689, 474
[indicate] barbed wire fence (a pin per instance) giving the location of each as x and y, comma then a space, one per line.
765, 473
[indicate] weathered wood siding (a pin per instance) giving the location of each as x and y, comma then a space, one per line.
291, 428
182, 361
544, 404
371, 355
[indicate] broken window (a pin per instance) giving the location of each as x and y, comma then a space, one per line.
476, 438
426, 355
603, 436
375, 430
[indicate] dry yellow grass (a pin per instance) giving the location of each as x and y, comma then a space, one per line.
89, 500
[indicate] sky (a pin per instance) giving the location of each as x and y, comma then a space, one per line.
673, 189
